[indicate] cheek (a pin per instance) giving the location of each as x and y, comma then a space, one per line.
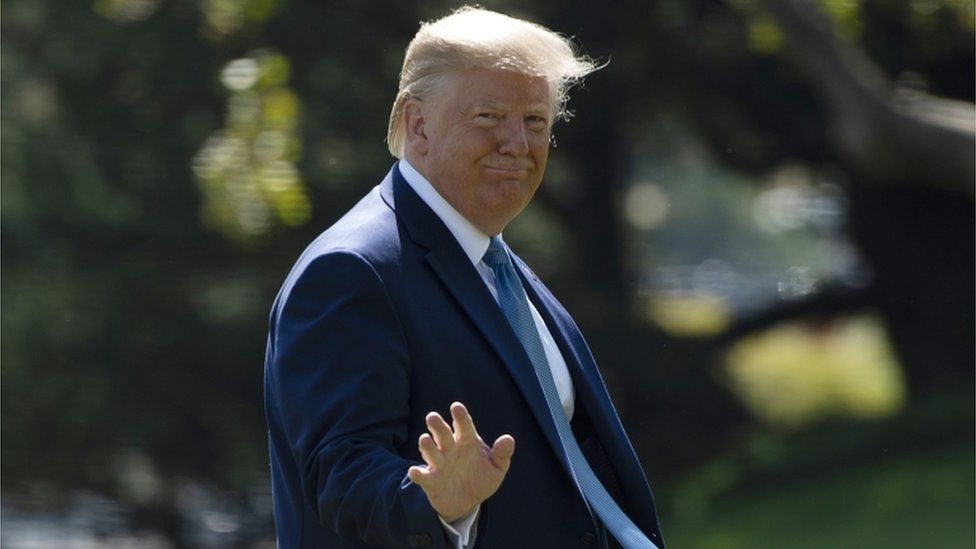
540, 152
467, 146
481, 144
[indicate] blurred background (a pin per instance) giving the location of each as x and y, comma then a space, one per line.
761, 216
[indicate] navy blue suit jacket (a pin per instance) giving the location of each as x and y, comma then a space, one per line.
384, 318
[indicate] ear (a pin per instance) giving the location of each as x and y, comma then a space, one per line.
415, 125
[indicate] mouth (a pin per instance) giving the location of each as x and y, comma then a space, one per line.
508, 170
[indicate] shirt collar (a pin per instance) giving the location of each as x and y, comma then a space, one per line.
472, 241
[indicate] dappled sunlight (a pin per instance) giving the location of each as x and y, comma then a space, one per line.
794, 200
646, 205
246, 170
226, 17
694, 314
797, 373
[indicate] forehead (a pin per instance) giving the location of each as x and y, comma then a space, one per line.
494, 88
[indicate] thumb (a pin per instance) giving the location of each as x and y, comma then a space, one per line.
501, 452
418, 475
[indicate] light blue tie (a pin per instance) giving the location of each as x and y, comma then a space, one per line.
515, 307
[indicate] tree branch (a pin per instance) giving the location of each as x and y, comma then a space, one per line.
826, 304
883, 134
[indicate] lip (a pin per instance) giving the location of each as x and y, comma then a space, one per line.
507, 170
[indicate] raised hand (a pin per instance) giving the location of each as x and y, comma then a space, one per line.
461, 471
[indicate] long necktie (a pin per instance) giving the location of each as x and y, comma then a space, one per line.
515, 307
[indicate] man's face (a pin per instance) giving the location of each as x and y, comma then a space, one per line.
483, 142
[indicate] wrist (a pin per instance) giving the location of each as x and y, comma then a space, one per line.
452, 517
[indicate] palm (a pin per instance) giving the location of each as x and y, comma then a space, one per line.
461, 471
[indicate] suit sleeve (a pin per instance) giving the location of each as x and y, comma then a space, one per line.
342, 388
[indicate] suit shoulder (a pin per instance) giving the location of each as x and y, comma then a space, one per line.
356, 248
369, 229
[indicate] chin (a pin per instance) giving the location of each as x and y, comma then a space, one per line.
510, 193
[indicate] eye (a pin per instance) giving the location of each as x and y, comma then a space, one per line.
486, 119
537, 123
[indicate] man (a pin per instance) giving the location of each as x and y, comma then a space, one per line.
411, 309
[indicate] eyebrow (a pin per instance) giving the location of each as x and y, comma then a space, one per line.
500, 106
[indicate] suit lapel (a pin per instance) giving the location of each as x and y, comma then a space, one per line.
592, 393
587, 381
462, 280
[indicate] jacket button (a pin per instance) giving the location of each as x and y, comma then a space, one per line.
588, 538
419, 540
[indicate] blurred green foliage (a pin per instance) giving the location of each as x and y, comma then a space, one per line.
917, 500
247, 170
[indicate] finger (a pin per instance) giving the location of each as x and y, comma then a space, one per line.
441, 432
501, 452
418, 475
429, 451
463, 424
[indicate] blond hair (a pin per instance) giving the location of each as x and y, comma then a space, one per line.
473, 37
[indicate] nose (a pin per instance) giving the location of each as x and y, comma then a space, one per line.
513, 138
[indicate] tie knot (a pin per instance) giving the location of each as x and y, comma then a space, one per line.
496, 256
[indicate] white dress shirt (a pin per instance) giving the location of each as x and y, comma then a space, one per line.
475, 244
